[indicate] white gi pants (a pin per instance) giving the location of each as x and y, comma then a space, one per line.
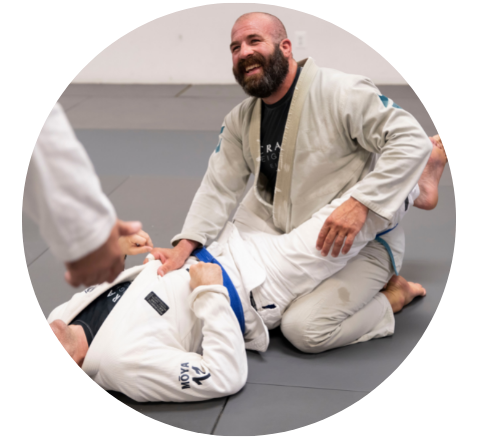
326, 302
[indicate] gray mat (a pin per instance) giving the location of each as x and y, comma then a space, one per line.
199, 417
185, 114
217, 91
124, 90
260, 409
144, 152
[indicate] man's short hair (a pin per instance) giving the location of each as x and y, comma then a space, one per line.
279, 32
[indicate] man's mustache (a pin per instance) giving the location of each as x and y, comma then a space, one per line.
253, 59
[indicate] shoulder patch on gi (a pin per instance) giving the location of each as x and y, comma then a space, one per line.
218, 147
385, 101
159, 306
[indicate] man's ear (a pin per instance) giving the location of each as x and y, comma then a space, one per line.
286, 47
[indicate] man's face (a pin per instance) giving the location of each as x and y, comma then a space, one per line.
259, 64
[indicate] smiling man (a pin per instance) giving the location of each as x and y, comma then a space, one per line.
309, 135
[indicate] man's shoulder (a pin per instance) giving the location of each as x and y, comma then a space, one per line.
241, 110
331, 80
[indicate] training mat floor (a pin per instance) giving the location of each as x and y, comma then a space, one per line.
286, 389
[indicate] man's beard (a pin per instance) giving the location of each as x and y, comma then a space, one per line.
274, 71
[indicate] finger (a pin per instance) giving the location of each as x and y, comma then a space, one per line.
158, 255
126, 228
348, 243
329, 240
139, 250
166, 268
339, 241
322, 235
139, 240
162, 257
147, 238
160, 271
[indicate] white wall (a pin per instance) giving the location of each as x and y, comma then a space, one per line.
192, 46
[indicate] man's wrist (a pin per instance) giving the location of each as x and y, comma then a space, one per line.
360, 205
186, 246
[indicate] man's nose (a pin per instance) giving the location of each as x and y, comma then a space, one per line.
245, 51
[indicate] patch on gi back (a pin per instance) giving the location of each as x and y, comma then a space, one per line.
160, 307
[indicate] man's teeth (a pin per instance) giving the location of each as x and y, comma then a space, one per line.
248, 69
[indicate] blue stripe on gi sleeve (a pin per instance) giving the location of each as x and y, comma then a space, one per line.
385, 100
218, 147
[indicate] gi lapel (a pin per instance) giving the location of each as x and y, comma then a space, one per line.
255, 146
77, 306
282, 194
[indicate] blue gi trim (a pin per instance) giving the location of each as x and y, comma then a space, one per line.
203, 255
385, 101
386, 231
218, 147
387, 247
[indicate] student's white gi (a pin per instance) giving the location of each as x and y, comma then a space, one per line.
193, 351
63, 194
197, 352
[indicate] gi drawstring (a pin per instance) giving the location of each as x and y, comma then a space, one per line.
387, 247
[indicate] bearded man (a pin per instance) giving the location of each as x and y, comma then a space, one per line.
310, 135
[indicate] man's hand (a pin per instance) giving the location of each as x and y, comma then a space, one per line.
205, 274
136, 244
343, 224
173, 258
105, 263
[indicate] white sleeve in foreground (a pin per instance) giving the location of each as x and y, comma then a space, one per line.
175, 375
63, 194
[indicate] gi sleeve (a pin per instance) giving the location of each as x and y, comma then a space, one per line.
222, 186
63, 194
380, 126
175, 375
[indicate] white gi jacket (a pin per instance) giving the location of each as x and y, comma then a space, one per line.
63, 194
193, 351
337, 123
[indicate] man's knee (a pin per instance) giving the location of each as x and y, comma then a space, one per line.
312, 334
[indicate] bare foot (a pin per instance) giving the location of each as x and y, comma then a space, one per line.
400, 293
428, 183
70, 339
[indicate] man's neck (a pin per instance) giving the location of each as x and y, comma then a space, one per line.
285, 86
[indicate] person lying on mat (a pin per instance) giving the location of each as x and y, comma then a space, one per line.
182, 337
